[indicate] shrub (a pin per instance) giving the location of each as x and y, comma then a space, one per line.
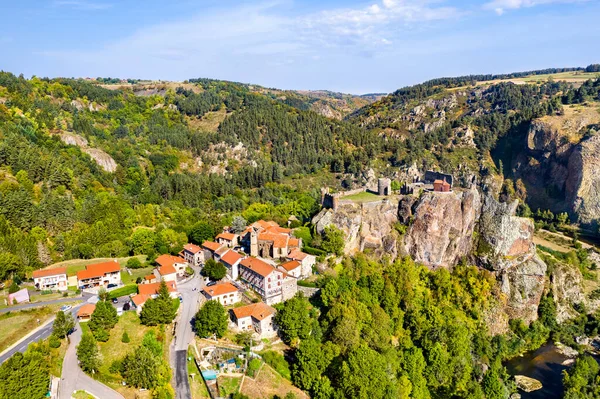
116, 367
125, 338
101, 335
54, 342
278, 362
14, 287
134, 263
253, 367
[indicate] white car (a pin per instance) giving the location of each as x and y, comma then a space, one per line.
66, 308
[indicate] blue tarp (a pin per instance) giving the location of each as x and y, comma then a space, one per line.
209, 375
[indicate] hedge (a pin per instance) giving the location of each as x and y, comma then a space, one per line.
314, 251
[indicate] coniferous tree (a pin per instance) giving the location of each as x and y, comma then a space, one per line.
87, 354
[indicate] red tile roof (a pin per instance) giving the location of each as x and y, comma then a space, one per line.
293, 243
152, 288
211, 245
192, 248
296, 254
230, 257
258, 266
220, 289
167, 269
150, 277
140, 299
258, 311
49, 272
86, 310
169, 260
278, 240
291, 265
98, 270
264, 225
226, 236
278, 230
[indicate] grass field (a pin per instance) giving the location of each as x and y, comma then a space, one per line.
15, 325
269, 383
228, 385
362, 197
82, 395
135, 273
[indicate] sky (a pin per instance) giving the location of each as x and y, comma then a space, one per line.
350, 46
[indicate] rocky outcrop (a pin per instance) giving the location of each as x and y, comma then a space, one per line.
583, 184
104, 160
506, 247
366, 226
567, 290
527, 384
442, 226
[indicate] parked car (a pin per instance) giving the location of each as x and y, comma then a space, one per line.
111, 286
66, 308
211, 283
115, 300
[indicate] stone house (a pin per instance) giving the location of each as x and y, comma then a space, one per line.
274, 286
308, 261
171, 264
193, 254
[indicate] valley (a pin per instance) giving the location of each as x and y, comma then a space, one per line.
438, 232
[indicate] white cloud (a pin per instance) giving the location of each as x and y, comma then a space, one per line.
501, 6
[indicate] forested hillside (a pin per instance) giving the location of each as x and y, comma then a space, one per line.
60, 200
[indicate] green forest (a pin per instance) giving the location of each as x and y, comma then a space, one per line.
378, 329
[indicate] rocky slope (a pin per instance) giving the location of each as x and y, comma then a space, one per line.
442, 229
558, 161
103, 160
366, 226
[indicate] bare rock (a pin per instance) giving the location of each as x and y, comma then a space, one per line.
442, 229
527, 384
104, 160
583, 185
365, 226
567, 290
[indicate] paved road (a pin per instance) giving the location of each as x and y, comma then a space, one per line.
39, 335
16, 308
74, 379
184, 334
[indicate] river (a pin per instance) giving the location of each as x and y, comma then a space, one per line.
545, 365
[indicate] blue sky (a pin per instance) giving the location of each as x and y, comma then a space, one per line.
350, 46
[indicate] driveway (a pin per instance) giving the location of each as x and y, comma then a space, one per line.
184, 334
74, 379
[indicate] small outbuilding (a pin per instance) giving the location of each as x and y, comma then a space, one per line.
85, 312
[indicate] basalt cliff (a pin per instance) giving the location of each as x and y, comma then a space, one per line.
440, 229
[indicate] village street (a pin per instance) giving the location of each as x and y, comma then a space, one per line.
184, 333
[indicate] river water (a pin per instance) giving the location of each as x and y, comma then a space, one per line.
545, 365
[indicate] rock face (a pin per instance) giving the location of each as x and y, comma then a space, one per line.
506, 247
583, 184
104, 160
366, 226
527, 384
558, 164
442, 229
567, 290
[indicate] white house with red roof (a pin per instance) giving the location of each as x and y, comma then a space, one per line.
257, 317
193, 254
228, 239
231, 259
170, 267
225, 293
273, 285
308, 261
51, 279
103, 274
